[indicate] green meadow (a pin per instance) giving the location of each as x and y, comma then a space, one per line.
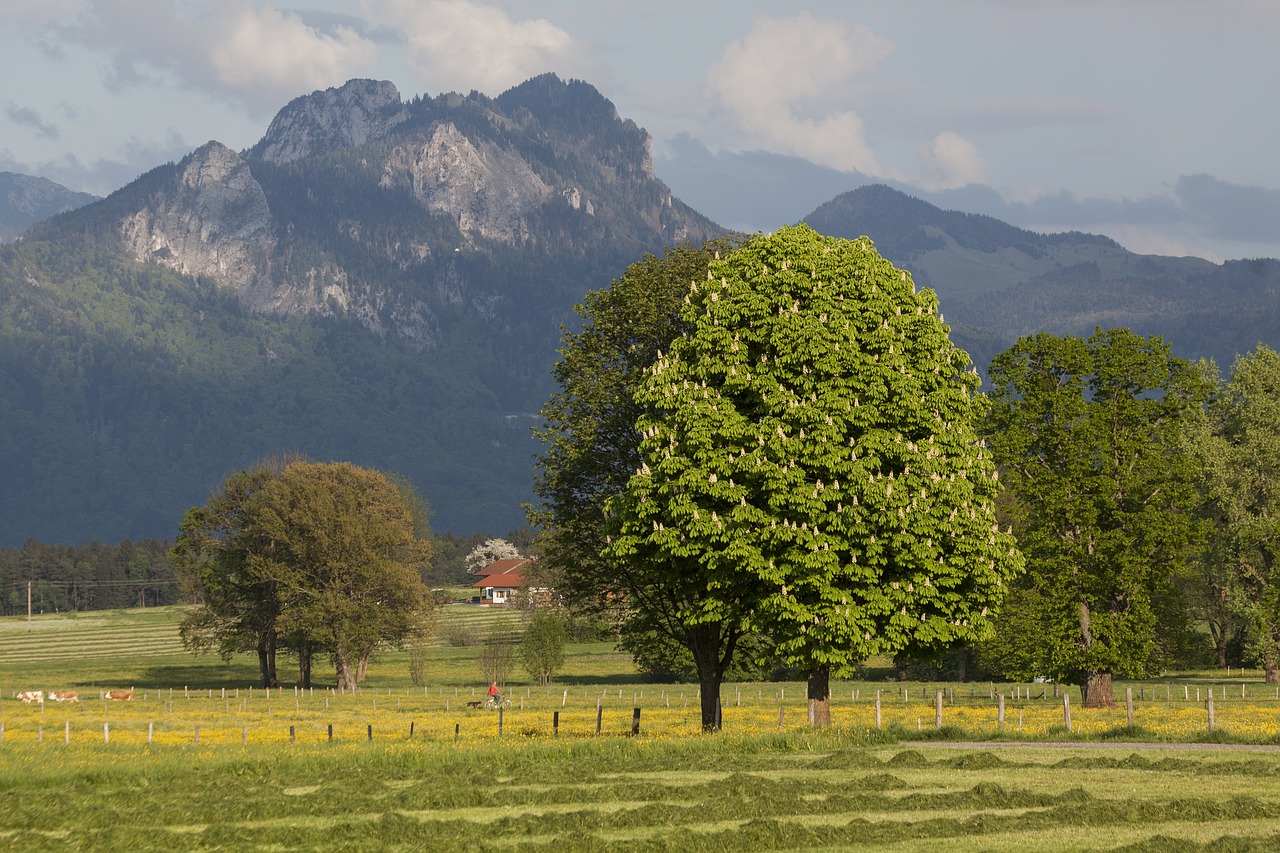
455, 781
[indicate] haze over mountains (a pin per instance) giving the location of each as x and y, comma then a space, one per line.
383, 281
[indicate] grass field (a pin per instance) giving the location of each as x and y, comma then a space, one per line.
199, 760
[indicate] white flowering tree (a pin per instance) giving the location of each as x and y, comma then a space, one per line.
490, 551
811, 458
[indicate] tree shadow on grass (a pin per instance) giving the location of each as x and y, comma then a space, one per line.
200, 675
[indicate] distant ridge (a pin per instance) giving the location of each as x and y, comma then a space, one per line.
25, 200
996, 282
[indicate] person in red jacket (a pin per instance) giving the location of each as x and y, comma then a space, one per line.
495, 695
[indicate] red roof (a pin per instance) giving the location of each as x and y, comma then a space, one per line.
503, 573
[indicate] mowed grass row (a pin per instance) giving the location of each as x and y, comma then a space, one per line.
833, 790
153, 632
199, 760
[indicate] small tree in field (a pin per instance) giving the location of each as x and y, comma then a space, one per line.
542, 648
498, 656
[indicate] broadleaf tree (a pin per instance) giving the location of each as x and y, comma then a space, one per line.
1238, 448
1088, 434
334, 555
238, 605
810, 457
591, 447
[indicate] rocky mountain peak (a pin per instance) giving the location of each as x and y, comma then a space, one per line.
215, 222
357, 112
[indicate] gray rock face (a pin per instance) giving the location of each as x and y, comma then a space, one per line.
491, 191
218, 224
358, 112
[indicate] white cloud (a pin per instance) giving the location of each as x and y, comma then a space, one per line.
268, 48
951, 162
781, 83
460, 45
241, 51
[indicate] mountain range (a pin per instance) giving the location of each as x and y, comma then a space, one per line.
384, 281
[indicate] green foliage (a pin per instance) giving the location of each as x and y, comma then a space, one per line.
1088, 432
810, 460
88, 577
542, 646
1238, 449
590, 450
315, 557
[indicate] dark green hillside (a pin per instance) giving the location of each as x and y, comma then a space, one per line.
25, 199
410, 287
128, 392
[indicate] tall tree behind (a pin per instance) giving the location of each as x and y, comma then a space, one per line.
1088, 433
1239, 452
591, 447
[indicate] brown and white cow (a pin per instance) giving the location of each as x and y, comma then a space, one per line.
64, 696
118, 695
30, 696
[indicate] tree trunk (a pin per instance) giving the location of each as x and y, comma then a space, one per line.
820, 696
362, 667
1270, 664
271, 660
1220, 637
1095, 690
267, 660
304, 665
346, 673
704, 642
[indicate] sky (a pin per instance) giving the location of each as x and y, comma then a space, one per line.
1152, 121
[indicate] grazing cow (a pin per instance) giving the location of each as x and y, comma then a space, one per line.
30, 696
64, 696
119, 695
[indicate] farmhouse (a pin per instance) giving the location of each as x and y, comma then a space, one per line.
501, 579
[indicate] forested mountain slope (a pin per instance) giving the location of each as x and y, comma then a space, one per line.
376, 281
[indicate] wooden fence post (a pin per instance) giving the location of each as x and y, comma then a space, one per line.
1000, 712
499, 721
555, 723
1210, 707
635, 721
1128, 704
877, 709
937, 710
293, 735
599, 716
1066, 710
